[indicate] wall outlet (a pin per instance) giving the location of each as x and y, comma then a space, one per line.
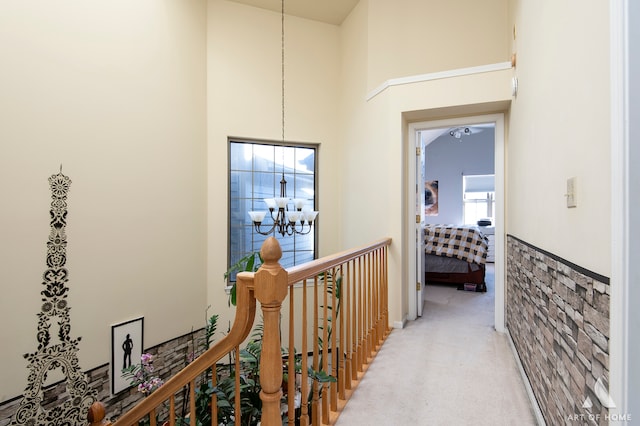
571, 193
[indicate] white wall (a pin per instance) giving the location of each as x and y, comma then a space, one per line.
447, 160
115, 92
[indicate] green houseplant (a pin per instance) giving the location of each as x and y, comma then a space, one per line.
248, 263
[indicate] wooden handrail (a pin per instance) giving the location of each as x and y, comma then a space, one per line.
355, 337
243, 322
315, 267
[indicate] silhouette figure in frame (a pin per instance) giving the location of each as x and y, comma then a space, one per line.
127, 347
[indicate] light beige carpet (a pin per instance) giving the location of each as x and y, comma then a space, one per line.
449, 367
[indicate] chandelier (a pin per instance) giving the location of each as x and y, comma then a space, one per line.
297, 219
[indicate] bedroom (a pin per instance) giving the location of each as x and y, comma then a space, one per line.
458, 174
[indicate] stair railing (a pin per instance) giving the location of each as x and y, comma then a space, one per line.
338, 336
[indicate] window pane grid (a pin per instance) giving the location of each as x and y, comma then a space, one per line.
255, 171
478, 198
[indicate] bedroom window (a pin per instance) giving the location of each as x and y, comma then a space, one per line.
478, 198
255, 170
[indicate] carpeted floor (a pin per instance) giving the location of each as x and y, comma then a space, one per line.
449, 367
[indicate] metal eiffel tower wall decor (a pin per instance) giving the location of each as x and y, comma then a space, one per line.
63, 354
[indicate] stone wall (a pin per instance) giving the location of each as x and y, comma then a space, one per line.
558, 317
170, 357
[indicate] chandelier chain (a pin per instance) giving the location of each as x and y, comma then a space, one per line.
282, 52
285, 222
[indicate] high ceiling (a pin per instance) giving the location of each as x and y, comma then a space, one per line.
329, 11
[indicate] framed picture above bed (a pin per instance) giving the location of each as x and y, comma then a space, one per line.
431, 198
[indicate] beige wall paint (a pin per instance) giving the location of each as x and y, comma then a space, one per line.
376, 152
115, 92
412, 37
244, 100
559, 128
565, 86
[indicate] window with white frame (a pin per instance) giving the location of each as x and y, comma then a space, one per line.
255, 171
478, 197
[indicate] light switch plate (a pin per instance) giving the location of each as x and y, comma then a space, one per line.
571, 193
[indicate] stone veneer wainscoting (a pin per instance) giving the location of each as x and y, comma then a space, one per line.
558, 318
171, 357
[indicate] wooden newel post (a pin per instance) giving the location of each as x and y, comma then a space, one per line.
271, 289
96, 415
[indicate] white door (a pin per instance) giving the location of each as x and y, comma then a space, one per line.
410, 199
420, 164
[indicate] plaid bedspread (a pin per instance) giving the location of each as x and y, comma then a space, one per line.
464, 243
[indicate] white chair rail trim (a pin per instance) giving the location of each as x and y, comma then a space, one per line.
437, 76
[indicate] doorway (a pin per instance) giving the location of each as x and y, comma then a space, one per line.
413, 176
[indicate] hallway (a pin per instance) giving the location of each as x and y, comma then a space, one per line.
448, 367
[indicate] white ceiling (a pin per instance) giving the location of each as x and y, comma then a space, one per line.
329, 11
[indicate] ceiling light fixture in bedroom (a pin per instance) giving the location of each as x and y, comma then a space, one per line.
458, 132
285, 222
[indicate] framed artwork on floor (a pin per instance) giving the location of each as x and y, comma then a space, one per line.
126, 350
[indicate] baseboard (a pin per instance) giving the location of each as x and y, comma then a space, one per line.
400, 324
532, 398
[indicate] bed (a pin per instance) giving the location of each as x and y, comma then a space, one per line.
455, 255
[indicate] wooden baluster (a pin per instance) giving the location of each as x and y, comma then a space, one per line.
271, 289
192, 400
152, 417
354, 322
363, 314
381, 326
374, 302
365, 311
291, 369
346, 306
333, 388
341, 346
385, 290
325, 347
304, 387
369, 307
214, 396
364, 325
380, 299
376, 294
315, 405
360, 316
172, 410
365, 307
237, 399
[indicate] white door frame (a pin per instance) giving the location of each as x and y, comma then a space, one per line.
498, 120
420, 206
622, 382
